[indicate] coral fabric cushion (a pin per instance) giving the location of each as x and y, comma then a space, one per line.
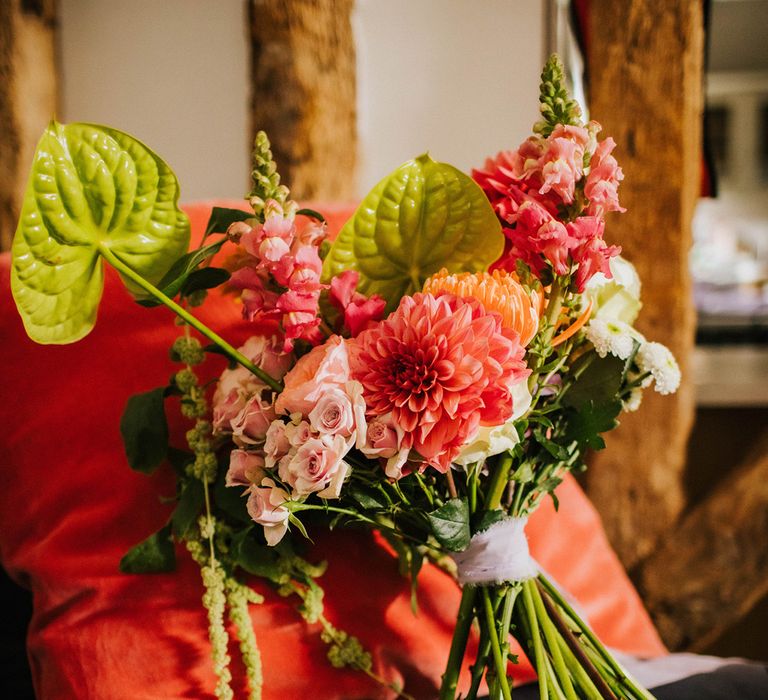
70, 507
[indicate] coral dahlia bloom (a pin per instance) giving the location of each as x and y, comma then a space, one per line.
497, 291
442, 366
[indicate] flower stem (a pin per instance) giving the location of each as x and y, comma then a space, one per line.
458, 643
499, 660
573, 643
538, 647
237, 356
551, 636
499, 482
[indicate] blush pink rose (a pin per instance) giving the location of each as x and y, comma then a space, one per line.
323, 367
250, 426
245, 468
387, 440
341, 411
226, 408
276, 444
317, 467
298, 433
265, 506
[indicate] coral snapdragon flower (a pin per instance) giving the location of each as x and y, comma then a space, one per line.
442, 366
497, 291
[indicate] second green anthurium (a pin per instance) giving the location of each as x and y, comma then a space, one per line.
94, 192
422, 217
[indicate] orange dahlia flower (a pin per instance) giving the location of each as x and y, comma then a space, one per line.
498, 291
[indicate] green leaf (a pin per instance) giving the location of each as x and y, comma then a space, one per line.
204, 278
145, 430
416, 562
486, 518
586, 423
182, 269
179, 459
231, 499
189, 507
450, 524
92, 188
312, 214
600, 382
421, 218
223, 217
155, 555
369, 499
257, 559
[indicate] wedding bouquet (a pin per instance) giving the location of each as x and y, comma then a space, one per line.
431, 374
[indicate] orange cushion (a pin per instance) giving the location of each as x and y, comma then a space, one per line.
70, 507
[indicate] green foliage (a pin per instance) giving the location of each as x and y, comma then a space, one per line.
145, 430
450, 524
190, 505
154, 555
421, 218
600, 381
92, 191
312, 214
555, 105
222, 218
257, 559
587, 422
182, 270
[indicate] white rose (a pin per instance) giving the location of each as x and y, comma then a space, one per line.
494, 440
616, 299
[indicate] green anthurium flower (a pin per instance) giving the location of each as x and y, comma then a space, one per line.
421, 218
94, 192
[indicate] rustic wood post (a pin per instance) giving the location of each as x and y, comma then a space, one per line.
712, 569
304, 91
27, 97
645, 66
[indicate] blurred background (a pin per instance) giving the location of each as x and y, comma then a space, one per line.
349, 90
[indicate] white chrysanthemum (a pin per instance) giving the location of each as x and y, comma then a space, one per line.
660, 362
611, 337
633, 401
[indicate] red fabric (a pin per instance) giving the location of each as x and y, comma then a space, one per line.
70, 507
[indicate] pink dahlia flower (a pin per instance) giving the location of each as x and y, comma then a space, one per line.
442, 366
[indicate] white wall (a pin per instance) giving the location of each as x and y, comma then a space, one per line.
173, 73
456, 77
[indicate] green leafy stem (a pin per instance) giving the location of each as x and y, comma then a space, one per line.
236, 355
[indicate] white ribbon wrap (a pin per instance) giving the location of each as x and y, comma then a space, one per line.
496, 555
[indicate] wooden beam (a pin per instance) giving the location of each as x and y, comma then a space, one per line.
27, 97
645, 67
712, 568
304, 92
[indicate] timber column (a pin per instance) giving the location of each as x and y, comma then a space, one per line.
645, 67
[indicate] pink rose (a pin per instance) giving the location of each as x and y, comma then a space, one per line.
250, 426
245, 468
265, 506
387, 440
326, 365
226, 409
333, 414
268, 354
317, 467
298, 434
276, 443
